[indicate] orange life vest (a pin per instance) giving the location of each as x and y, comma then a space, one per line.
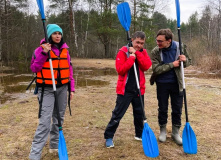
60, 69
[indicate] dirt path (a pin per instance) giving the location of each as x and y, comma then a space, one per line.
91, 111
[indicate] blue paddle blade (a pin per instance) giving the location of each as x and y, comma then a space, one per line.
149, 142
41, 8
62, 149
178, 13
189, 140
124, 15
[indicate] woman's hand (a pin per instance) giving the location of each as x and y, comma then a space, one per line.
46, 47
71, 95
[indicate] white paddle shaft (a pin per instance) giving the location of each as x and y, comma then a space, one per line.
52, 74
182, 72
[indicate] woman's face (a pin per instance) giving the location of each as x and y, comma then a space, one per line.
56, 37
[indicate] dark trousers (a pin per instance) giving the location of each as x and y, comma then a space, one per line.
164, 91
122, 104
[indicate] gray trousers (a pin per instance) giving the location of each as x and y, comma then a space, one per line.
48, 115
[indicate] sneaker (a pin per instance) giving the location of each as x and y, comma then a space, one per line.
138, 138
53, 151
109, 143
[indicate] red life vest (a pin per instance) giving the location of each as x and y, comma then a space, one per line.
60, 69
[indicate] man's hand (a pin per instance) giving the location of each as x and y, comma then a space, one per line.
182, 58
176, 63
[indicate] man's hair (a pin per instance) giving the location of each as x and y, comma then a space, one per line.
139, 34
167, 32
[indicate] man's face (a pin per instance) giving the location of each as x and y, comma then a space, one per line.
162, 42
138, 43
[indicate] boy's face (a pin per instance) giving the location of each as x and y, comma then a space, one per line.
162, 42
138, 43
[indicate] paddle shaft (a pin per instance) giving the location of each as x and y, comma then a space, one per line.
188, 137
138, 87
136, 76
61, 143
182, 72
52, 75
124, 15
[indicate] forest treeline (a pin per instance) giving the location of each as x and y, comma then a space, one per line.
92, 29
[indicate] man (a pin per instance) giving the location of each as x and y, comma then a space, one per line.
126, 89
166, 60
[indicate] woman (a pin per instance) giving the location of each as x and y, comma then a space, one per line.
63, 75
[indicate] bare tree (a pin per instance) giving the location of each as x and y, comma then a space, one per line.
63, 6
6, 25
216, 6
158, 5
103, 22
72, 25
1, 43
205, 25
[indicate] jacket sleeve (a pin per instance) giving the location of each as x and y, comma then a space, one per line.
157, 66
38, 59
188, 61
123, 64
72, 83
143, 60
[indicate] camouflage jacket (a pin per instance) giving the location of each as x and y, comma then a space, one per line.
158, 67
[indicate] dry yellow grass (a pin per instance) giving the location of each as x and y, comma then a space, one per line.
91, 111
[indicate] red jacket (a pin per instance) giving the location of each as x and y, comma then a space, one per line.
123, 64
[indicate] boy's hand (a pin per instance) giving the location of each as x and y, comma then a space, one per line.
132, 54
132, 50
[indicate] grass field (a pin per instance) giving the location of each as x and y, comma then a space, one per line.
91, 111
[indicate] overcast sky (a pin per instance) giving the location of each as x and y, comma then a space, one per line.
187, 8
